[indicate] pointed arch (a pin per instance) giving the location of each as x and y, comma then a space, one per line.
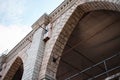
15, 70
81, 9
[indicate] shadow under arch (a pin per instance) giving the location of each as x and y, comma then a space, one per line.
73, 20
90, 44
16, 70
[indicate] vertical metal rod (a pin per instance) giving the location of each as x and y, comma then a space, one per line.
102, 62
106, 69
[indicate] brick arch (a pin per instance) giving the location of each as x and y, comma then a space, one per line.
81, 9
13, 69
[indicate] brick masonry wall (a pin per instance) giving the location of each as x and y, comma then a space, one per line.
21, 55
37, 56
63, 27
30, 51
13, 68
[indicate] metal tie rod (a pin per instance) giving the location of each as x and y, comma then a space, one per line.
104, 73
92, 66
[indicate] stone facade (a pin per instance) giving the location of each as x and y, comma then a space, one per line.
37, 55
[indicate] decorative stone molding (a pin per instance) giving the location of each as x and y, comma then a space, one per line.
78, 11
28, 39
66, 16
67, 4
44, 19
21, 45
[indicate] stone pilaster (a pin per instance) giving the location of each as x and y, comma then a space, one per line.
35, 54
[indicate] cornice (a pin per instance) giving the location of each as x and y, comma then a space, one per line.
62, 8
44, 19
27, 39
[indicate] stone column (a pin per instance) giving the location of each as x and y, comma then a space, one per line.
35, 55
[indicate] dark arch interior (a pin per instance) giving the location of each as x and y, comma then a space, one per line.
97, 37
19, 73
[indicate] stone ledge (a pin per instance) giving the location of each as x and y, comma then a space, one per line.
44, 19
24, 42
64, 6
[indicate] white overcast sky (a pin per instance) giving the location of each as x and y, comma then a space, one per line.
17, 16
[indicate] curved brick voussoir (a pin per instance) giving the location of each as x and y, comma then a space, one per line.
82, 7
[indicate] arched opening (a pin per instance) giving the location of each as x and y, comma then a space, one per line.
92, 50
16, 70
19, 73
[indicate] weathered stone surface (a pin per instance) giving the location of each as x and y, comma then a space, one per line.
37, 55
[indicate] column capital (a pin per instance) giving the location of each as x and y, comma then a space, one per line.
44, 19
